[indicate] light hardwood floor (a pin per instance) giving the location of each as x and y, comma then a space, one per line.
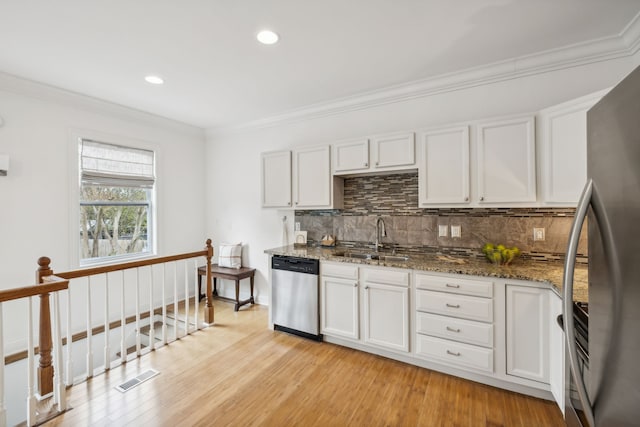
239, 373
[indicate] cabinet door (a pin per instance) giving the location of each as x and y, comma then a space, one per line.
556, 351
339, 307
394, 150
527, 332
312, 177
386, 316
444, 166
276, 179
564, 150
506, 160
351, 155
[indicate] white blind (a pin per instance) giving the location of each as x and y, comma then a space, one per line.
114, 165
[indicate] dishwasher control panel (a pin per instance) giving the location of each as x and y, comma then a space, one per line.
298, 265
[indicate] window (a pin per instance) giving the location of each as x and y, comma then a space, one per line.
116, 201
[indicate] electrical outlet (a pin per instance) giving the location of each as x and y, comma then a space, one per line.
538, 234
456, 231
442, 230
297, 226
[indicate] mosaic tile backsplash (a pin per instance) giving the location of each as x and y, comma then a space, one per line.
409, 228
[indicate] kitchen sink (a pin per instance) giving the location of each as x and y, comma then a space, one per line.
373, 256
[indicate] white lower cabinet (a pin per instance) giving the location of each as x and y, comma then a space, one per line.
386, 316
380, 295
498, 331
454, 321
527, 325
556, 351
339, 302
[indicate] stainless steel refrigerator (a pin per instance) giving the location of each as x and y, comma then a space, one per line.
607, 384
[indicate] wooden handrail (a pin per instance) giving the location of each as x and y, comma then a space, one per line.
74, 274
32, 291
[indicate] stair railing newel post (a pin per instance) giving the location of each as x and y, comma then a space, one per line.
45, 367
208, 311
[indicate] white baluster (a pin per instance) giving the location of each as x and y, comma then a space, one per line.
138, 344
123, 324
152, 330
107, 349
59, 390
3, 410
164, 306
31, 397
186, 299
196, 293
69, 370
89, 332
175, 300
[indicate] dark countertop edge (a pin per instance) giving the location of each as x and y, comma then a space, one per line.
430, 264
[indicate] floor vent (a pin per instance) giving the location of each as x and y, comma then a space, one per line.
137, 380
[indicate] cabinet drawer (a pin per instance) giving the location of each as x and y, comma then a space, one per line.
466, 307
466, 331
387, 277
343, 271
455, 353
455, 285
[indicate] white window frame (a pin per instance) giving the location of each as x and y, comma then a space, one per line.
74, 218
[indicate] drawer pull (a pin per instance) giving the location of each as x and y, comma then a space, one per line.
453, 353
452, 286
355, 285
449, 328
453, 305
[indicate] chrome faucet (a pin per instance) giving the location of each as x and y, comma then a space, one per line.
381, 232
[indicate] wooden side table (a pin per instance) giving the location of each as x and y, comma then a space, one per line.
235, 274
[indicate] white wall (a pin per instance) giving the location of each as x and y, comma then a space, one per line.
233, 159
37, 208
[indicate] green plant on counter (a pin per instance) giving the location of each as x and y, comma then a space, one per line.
500, 254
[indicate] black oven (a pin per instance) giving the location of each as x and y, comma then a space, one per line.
574, 414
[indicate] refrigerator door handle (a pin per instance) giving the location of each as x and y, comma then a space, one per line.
570, 262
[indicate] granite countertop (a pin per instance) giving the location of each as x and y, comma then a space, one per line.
522, 269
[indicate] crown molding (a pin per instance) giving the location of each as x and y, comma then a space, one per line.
44, 92
624, 44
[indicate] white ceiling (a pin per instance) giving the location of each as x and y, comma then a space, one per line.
216, 73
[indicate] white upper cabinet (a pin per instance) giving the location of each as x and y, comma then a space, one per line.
393, 151
563, 141
444, 166
313, 184
352, 155
506, 161
276, 179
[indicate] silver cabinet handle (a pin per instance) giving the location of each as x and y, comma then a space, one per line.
481, 199
366, 287
288, 203
452, 286
366, 164
377, 163
355, 285
453, 305
466, 199
570, 262
449, 328
453, 353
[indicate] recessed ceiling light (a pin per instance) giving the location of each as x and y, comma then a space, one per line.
154, 80
267, 37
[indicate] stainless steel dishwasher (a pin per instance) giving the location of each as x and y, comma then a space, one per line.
295, 296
